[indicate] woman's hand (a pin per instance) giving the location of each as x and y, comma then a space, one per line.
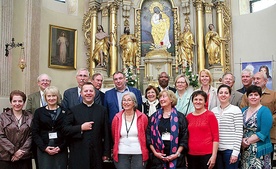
160, 156
233, 159
245, 143
211, 162
172, 157
52, 150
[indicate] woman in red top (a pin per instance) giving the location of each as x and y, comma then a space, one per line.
129, 135
203, 134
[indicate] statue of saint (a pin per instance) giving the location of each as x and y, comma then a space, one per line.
212, 43
160, 23
100, 53
185, 47
129, 46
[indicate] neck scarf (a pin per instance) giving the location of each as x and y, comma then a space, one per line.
152, 107
156, 140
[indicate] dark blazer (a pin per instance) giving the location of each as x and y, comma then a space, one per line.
87, 147
33, 102
102, 96
170, 88
111, 101
71, 98
242, 90
41, 126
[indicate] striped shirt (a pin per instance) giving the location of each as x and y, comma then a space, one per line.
230, 121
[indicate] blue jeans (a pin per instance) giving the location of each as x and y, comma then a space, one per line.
223, 160
130, 161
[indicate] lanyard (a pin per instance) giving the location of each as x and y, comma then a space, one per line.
127, 129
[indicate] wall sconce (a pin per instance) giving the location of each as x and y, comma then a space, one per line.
22, 59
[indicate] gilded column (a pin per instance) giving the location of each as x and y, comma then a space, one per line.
89, 27
200, 35
220, 29
113, 40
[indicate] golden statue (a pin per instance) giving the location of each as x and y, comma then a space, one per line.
100, 53
129, 46
185, 47
212, 43
160, 23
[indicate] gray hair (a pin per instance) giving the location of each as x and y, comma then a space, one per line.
43, 74
247, 71
83, 69
229, 73
133, 98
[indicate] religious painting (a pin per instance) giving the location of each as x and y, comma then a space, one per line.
62, 47
157, 26
264, 66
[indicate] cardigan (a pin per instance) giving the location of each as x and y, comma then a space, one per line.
264, 125
142, 122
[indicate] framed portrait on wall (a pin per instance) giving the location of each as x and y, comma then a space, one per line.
62, 47
264, 66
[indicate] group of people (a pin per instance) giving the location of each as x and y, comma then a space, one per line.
175, 128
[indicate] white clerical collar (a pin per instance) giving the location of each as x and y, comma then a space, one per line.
88, 105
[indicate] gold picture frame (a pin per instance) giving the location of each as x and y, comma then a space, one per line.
62, 47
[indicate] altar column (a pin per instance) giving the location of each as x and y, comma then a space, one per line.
200, 35
219, 6
113, 40
94, 6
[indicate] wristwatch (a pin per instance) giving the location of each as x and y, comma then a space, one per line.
178, 154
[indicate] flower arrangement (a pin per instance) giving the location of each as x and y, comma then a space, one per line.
193, 78
131, 77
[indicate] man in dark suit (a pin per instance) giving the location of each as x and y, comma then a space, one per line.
87, 130
247, 79
229, 80
97, 81
36, 100
113, 97
72, 97
163, 80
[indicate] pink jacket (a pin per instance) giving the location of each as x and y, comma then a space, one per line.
142, 122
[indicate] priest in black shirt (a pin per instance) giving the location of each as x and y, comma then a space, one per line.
86, 126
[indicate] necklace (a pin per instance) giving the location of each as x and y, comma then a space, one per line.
127, 129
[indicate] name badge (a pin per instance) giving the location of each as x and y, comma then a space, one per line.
166, 136
53, 135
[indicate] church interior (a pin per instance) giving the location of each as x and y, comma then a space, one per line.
32, 31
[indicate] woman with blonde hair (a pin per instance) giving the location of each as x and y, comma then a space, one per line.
205, 79
167, 135
46, 130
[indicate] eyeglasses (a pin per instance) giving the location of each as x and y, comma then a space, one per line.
180, 82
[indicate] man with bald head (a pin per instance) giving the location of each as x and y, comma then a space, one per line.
268, 99
36, 100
